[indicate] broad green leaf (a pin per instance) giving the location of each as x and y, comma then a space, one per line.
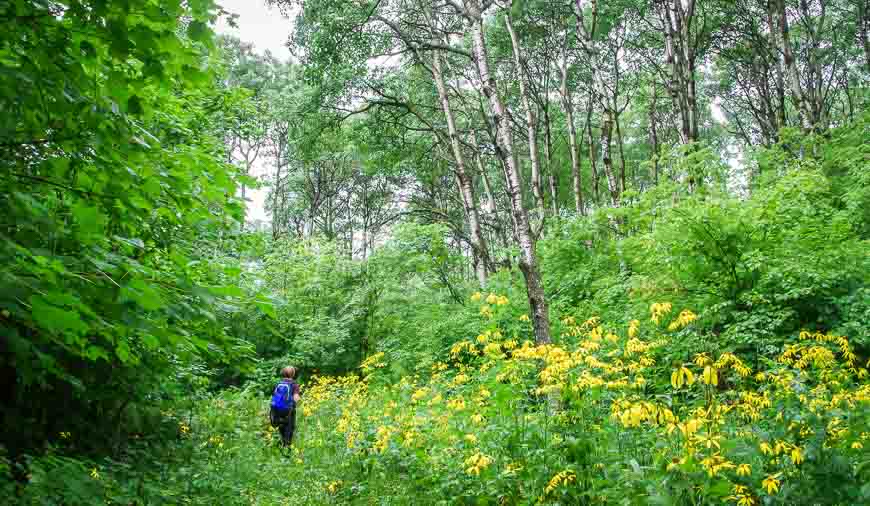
56, 319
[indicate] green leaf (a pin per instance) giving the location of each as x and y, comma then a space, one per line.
267, 308
56, 319
122, 350
95, 353
143, 294
89, 219
134, 241
150, 342
199, 31
134, 105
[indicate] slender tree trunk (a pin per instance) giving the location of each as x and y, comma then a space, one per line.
568, 109
677, 19
863, 29
621, 154
653, 131
552, 173
607, 157
797, 93
505, 150
275, 196
777, 67
593, 156
464, 181
489, 207
531, 120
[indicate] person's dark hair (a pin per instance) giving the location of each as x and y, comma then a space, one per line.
288, 372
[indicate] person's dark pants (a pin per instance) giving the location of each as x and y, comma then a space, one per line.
287, 426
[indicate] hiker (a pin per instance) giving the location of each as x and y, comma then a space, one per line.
282, 410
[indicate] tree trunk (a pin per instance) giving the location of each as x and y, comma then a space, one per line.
653, 132
777, 67
607, 157
505, 150
863, 28
531, 120
593, 156
680, 59
552, 173
568, 109
621, 154
489, 207
464, 181
797, 93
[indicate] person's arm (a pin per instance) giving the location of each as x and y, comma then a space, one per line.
296, 396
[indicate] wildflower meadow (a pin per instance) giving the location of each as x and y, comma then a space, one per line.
608, 415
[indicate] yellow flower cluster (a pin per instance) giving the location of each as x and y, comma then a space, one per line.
659, 310
477, 463
714, 400
216, 441
373, 362
490, 300
561, 478
684, 319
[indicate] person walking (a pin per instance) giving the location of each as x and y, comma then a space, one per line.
282, 409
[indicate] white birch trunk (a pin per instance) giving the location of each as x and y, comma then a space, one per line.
505, 148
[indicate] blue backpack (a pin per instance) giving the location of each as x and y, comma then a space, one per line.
282, 397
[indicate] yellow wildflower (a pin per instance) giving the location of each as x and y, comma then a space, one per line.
682, 376
710, 376
561, 478
796, 455
658, 310
477, 463
633, 327
771, 483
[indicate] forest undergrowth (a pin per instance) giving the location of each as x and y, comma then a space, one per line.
607, 416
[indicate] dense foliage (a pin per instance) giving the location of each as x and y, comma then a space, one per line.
113, 188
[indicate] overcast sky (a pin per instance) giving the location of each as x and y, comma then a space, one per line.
267, 30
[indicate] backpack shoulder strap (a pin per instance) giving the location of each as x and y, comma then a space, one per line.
290, 388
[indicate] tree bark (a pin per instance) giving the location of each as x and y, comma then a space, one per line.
552, 173
464, 181
587, 39
680, 53
777, 67
489, 207
505, 150
621, 154
593, 156
568, 109
653, 132
797, 92
607, 157
863, 29
531, 120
